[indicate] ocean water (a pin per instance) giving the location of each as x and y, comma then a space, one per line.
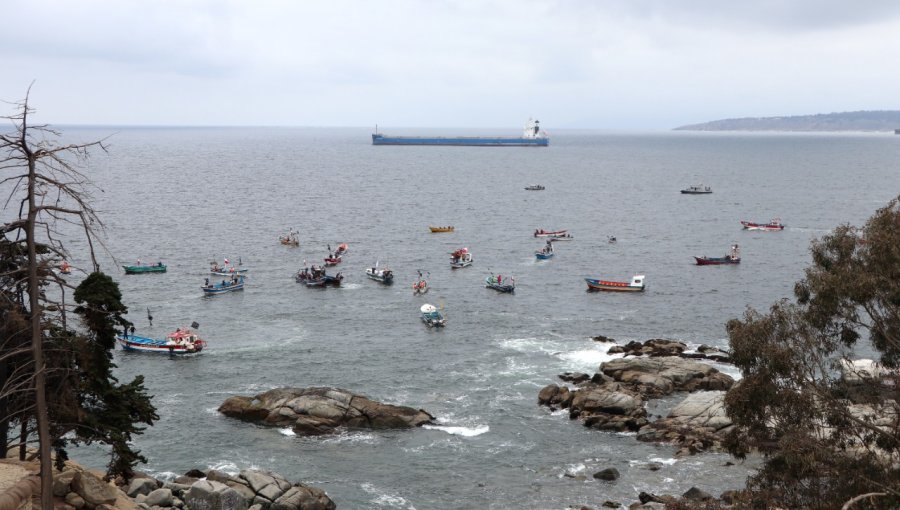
190, 196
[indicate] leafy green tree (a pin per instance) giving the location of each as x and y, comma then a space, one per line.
827, 439
109, 411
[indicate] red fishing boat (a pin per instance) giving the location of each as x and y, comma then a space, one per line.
775, 224
636, 285
550, 233
734, 257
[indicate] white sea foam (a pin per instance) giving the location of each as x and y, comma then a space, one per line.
386, 500
226, 466
287, 432
661, 460
460, 431
353, 438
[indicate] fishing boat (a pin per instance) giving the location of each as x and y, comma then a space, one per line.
549, 233
226, 269
333, 260
235, 283
380, 274
546, 252
315, 276
341, 250
292, 238
432, 317
421, 285
460, 258
500, 284
534, 187
733, 257
697, 190
181, 341
561, 237
159, 267
435, 230
65, 268
773, 225
532, 136
636, 285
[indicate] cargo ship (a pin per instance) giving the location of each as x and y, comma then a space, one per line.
532, 136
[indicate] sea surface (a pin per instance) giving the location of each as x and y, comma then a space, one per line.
189, 196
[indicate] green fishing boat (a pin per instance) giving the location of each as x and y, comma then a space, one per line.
159, 267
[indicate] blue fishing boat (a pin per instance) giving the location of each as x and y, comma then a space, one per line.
316, 276
500, 284
546, 252
432, 317
235, 283
532, 136
181, 341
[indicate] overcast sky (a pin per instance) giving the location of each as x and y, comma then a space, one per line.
615, 64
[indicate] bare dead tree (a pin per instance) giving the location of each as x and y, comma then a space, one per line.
50, 191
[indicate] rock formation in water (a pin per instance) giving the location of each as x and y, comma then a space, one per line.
314, 411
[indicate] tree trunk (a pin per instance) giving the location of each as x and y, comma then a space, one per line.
37, 350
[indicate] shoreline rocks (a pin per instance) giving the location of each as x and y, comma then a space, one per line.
614, 398
321, 410
80, 488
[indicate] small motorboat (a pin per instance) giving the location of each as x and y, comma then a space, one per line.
315, 276
611, 239
380, 274
773, 225
332, 260
636, 285
549, 233
697, 190
65, 268
546, 252
534, 187
341, 250
441, 229
226, 269
181, 341
235, 283
292, 238
561, 237
733, 257
432, 317
421, 285
460, 258
500, 284
159, 267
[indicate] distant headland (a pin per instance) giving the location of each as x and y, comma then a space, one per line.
883, 120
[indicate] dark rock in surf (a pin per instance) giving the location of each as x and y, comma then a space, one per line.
608, 474
321, 410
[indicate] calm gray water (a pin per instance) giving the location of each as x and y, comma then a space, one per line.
189, 196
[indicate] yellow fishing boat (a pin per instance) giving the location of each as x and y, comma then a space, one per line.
441, 229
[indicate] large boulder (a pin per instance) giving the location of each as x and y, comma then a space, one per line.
664, 375
312, 411
698, 423
604, 406
93, 490
302, 497
207, 495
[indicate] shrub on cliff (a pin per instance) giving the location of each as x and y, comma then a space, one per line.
826, 440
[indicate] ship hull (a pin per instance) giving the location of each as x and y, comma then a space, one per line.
473, 141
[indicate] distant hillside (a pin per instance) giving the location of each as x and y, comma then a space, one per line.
887, 120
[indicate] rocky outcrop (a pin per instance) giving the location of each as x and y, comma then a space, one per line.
614, 398
313, 411
662, 376
662, 347
698, 423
